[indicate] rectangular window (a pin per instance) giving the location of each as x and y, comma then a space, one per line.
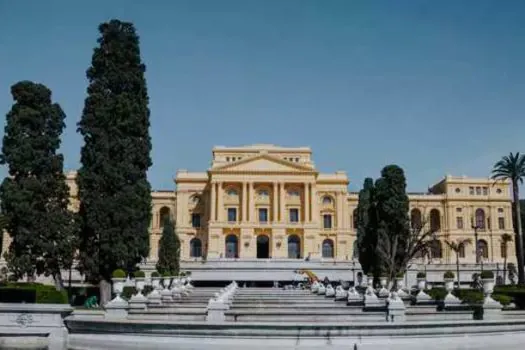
459, 223
263, 215
196, 220
471, 190
327, 221
294, 215
501, 223
485, 191
478, 191
232, 214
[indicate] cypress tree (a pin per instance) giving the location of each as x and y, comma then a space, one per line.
366, 233
393, 224
35, 196
169, 250
114, 192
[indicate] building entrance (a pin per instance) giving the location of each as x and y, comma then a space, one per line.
263, 247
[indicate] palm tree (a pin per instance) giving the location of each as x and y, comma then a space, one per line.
505, 239
457, 247
512, 167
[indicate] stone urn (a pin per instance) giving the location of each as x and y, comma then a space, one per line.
155, 283
139, 284
370, 282
383, 280
400, 283
118, 285
488, 286
421, 283
449, 285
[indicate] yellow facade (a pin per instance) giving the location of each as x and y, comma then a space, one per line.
264, 201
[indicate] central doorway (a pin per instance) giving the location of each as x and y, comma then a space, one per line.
263, 247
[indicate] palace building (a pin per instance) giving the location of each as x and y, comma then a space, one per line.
270, 202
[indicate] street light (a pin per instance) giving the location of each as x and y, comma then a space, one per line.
476, 227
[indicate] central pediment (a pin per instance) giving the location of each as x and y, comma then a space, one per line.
263, 163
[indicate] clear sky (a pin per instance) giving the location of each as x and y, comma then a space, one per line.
437, 87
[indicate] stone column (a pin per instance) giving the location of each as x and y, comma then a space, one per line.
213, 201
339, 210
282, 203
307, 207
220, 200
313, 200
251, 201
244, 203
275, 202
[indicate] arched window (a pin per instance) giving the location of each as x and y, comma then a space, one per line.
164, 213
480, 219
232, 192
231, 246
294, 247
483, 249
435, 249
356, 218
328, 248
415, 219
327, 200
435, 220
195, 248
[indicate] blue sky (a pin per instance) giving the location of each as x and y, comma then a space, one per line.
437, 87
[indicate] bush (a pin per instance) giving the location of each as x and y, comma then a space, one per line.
139, 274
516, 293
437, 294
448, 275
469, 296
421, 275
502, 299
487, 274
155, 274
166, 274
400, 275
119, 273
32, 293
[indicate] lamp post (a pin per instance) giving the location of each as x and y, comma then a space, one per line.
475, 227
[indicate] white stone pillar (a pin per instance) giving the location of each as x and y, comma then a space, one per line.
282, 203
213, 201
251, 205
244, 202
220, 200
275, 202
307, 206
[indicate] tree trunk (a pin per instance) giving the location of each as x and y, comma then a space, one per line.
105, 292
59, 283
519, 233
457, 269
505, 268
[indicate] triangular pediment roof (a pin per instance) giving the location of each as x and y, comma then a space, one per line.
263, 163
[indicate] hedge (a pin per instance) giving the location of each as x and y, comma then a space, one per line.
128, 292
32, 293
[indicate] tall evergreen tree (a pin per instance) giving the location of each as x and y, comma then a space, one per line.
366, 233
169, 250
35, 196
114, 191
393, 224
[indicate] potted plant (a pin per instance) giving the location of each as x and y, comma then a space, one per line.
155, 280
139, 281
421, 280
118, 277
449, 280
487, 277
166, 279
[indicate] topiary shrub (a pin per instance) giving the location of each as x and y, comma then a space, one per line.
155, 274
139, 274
147, 290
400, 274
32, 293
448, 275
166, 274
437, 294
487, 274
183, 274
504, 300
421, 275
128, 292
118, 273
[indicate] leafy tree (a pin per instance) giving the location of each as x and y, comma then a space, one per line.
114, 192
457, 247
366, 235
393, 224
35, 196
512, 167
169, 250
3, 225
